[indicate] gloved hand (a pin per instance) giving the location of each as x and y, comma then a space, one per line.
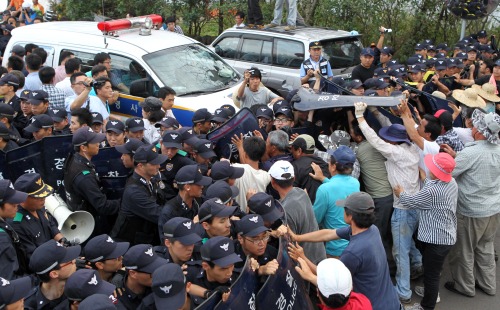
359, 109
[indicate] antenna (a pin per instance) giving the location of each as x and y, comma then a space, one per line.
102, 1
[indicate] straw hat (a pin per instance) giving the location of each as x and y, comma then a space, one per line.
469, 97
439, 94
487, 91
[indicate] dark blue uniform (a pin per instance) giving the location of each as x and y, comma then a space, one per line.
37, 301
175, 207
169, 169
129, 300
9, 264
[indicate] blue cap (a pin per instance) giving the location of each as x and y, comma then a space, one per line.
147, 154
85, 135
220, 116
97, 302
172, 138
222, 190
58, 115
201, 115
461, 55
9, 194
264, 205
135, 124
188, 135
420, 46
38, 96
416, 68
354, 84
190, 174
343, 155
381, 73
482, 34
287, 111
280, 103
33, 185
367, 51
13, 290
222, 170
115, 126
264, 112
392, 62
168, 122
251, 225
142, 258
387, 50
130, 146
412, 61
220, 251
181, 229
97, 118
431, 47
443, 46
103, 247
397, 71
9, 79
169, 287
50, 254
441, 64
214, 207
86, 282
230, 109
38, 122
25, 94
204, 148
394, 133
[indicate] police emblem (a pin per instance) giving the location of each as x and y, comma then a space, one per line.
169, 166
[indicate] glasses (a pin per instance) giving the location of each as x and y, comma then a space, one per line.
66, 264
281, 120
257, 241
79, 83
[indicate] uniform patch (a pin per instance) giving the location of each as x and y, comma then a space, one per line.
85, 172
169, 166
18, 217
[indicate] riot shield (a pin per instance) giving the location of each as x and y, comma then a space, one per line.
112, 173
3, 167
26, 159
55, 150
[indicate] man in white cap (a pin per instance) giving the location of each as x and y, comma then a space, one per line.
334, 284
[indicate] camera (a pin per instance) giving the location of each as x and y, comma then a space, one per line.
88, 85
387, 30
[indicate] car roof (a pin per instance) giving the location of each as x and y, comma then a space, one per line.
303, 33
158, 39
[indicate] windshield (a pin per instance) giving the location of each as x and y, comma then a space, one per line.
191, 69
342, 53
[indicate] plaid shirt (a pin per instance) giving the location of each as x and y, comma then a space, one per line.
451, 138
56, 96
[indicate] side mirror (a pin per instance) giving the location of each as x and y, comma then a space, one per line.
141, 88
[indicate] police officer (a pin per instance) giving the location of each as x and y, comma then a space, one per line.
169, 275
214, 217
180, 239
10, 98
6, 143
7, 114
105, 256
128, 150
313, 63
203, 154
32, 222
140, 262
83, 190
84, 283
12, 293
13, 262
171, 146
140, 211
61, 124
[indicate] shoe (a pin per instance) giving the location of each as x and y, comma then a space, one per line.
416, 306
269, 26
419, 290
405, 301
258, 27
249, 26
482, 289
450, 286
416, 273
290, 27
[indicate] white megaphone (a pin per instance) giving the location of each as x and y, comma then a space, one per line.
75, 226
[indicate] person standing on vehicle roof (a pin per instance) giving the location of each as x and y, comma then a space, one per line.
313, 63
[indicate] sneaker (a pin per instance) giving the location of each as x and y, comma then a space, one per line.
290, 27
258, 27
249, 26
271, 25
419, 290
417, 273
415, 306
405, 301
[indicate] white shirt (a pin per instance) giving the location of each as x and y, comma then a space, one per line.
251, 179
430, 147
151, 133
464, 134
65, 86
93, 103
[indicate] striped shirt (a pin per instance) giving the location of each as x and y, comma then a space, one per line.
477, 174
437, 205
56, 96
402, 162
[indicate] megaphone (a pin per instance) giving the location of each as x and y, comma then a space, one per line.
75, 226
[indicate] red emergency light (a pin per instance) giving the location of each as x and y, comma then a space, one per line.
128, 23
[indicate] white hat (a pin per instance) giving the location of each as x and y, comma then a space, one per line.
27, 4
282, 170
334, 278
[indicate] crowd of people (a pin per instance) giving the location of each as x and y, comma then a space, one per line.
363, 192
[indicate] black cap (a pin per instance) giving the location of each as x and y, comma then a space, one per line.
115, 126
354, 84
9, 79
13, 290
86, 282
264, 112
204, 148
482, 34
58, 115
416, 68
6, 110
97, 118
103, 247
230, 109
97, 302
172, 138
4, 132
181, 229
387, 50
222, 170
38, 96
169, 287
220, 251
222, 190
287, 111
191, 175
420, 46
220, 116
280, 103
50, 254
214, 207
431, 47
264, 205
315, 44
201, 115
255, 72
85, 135
142, 258
359, 202
151, 104
130, 146
188, 135
370, 93
18, 50
392, 62
251, 225
441, 64
381, 73
33, 184
9, 194
25, 94
147, 154
135, 124
443, 46
168, 122
39, 122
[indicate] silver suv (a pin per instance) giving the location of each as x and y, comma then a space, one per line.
279, 54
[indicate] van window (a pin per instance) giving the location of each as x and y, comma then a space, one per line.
342, 53
227, 47
255, 50
86, 58
50, 55
289, 53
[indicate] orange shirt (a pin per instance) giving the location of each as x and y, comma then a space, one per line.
16, 3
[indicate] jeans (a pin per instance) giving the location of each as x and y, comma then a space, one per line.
434, 256
407, 257
292, 12
254, 15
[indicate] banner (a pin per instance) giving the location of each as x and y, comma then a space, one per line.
285, 289
243, 122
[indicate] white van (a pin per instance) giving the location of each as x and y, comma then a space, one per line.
144, 62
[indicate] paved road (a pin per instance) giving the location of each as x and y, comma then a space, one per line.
452, 301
